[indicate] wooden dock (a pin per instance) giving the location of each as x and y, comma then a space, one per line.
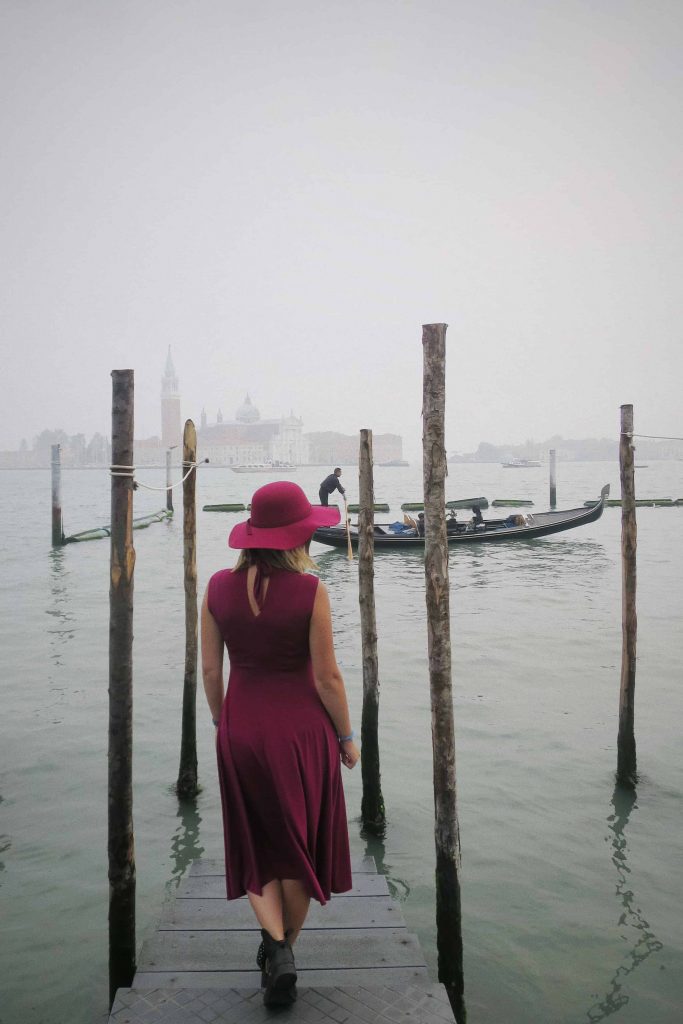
356, 961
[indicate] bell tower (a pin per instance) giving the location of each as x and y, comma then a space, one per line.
171, 431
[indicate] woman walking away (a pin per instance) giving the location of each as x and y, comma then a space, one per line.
283, 729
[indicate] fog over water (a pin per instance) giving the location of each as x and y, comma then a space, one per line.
285, 193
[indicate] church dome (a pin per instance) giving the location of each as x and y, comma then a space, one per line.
247, 413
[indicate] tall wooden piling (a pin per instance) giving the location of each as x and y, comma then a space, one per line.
372, 803
446, 828
626, 740
187, 774
169, 481
121, 847
553, 478
57, 525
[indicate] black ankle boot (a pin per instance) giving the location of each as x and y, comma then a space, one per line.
280, 971
261, 957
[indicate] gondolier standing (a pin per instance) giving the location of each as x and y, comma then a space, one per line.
329, 484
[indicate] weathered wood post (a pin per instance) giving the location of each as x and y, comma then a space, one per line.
372, 803
187, 774
553, 478
626, 740
121, 846
446, 829
57, 527
169, 481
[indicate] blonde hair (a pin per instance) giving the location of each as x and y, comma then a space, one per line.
294, 560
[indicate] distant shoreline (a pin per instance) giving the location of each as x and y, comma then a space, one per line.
346, 465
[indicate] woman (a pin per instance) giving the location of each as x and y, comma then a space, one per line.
283, 728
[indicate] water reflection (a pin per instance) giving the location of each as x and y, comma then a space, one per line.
400, 890
5, 844
58, 608
481, 564
643, 941
375, 847
185, 846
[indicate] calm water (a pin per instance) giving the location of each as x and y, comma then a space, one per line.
571, 890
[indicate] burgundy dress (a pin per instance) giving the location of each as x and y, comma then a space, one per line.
284, 814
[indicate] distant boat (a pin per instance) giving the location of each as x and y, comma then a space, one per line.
521, 464
265, 467
394, 462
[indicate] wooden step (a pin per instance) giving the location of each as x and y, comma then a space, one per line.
320, 949
212, 887
355, 1003
356, 960
362, 865
340, 912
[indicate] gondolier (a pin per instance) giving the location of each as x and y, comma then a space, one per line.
329, 484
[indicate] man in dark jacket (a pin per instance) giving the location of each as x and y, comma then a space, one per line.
329, 484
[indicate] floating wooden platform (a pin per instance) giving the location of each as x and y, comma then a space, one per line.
356, 961
379, 506
141, 523
418, 506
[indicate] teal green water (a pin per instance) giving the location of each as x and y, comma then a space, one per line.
571, 891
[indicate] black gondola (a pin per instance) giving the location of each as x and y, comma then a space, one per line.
491, 530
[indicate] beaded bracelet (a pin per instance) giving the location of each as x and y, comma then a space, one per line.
344, 739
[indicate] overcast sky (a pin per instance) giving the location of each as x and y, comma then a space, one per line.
286, 192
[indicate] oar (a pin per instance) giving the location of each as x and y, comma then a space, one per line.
348, 530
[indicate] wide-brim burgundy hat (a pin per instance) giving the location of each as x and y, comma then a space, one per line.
281, 518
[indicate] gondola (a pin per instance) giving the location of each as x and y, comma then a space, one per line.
542, 524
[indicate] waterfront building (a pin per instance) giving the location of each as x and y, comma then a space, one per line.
330, 448
248, 439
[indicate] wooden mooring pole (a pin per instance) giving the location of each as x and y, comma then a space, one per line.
169, 481
187, 775
57, 525
626, 740
446, 828
553, 478
372, 803
121, 847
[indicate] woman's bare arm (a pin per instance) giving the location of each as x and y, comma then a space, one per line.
328, 679
212, 660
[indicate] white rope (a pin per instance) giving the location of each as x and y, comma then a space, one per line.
129, 471
655, 437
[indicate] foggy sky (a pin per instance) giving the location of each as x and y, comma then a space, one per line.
286, 192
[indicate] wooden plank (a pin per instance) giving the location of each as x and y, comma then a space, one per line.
358, 1004
356, 960
366, 976
378, 1004
348, 948
213, 887
198, 914
364, 865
